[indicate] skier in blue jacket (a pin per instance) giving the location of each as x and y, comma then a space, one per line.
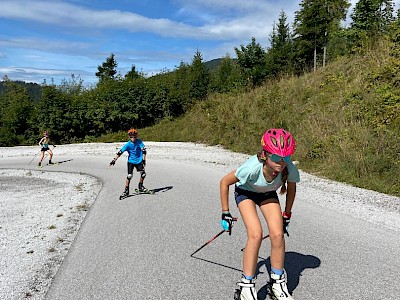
136, 160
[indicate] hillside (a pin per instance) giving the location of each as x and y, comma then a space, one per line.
345, 118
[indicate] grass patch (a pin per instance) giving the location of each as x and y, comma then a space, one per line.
345, 119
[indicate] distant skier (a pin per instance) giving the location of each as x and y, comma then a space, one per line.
44, 144
256, 182
136, 159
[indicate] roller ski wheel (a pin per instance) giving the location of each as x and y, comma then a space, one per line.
236, 296
144, 191
124, 195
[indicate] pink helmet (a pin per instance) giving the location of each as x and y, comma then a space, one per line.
278, 141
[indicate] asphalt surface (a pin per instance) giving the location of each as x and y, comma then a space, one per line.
140, 247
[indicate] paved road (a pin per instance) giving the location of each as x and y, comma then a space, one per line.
139, 247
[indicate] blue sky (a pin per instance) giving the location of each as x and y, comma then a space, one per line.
53, 39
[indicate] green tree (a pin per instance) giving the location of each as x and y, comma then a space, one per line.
199, 78
372, 17
108, 69
280, 54
15, 111
53, 113
227, 77
178, 96
73, 86
132, 74
252, 62
314, 23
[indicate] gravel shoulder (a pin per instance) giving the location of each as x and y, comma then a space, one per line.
42, 212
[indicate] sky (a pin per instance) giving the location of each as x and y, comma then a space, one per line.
53, 40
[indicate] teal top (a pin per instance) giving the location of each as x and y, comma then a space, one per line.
251, 177
45, 142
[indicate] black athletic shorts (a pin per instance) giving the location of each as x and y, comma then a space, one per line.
45, 149
241, 195
138, 167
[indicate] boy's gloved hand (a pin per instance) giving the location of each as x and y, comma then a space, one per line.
113, 162
286, 221
144, 162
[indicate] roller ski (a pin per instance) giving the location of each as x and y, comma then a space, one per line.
143, 190
52, 163
246, 290
277, 287
125, 194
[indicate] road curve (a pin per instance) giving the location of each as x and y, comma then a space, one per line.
140, 247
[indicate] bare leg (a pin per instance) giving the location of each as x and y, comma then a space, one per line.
248, 212
41, 157
273, 216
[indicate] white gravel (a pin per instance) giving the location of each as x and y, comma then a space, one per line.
39, 222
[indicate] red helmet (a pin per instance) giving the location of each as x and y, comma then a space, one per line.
132, 132
278, 141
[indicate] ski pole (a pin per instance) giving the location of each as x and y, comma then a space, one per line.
33, 158
217, 235
265, 237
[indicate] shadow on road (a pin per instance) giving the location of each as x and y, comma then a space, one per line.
157, 190
215, 263
64, 161
163, 189
295, 263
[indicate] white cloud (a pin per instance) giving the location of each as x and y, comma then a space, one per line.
68, 15
45, 44
37, 75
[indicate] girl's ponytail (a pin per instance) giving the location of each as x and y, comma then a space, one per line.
285, 174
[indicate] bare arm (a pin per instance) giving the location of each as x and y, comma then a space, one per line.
224, 184
291, 194
115, 158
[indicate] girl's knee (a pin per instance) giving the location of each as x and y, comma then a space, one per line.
277, 239
255, 237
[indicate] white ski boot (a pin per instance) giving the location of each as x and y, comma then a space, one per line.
246, 291
278, 288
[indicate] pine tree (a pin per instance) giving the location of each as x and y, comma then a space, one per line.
199, 78
279, 56
372, 17
313, 25
108, 69
252, 62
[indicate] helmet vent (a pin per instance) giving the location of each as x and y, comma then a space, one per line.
282, 140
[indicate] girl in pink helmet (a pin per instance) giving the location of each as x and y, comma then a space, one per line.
256, 182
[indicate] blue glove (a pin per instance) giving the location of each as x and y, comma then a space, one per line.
226, 221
